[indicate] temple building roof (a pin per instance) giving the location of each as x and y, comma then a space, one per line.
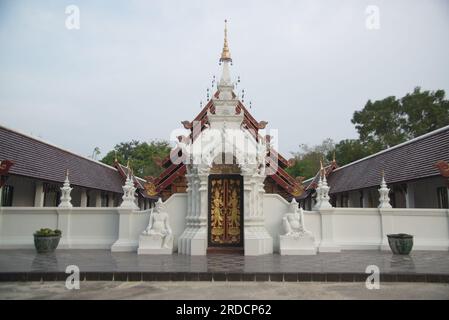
38, 159
411, 160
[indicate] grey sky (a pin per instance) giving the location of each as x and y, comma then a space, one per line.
136, 69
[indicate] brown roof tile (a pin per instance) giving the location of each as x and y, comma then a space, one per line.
40, 160
410, 160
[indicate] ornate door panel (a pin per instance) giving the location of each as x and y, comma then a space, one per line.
225, 211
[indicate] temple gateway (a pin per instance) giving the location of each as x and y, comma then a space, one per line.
225, 165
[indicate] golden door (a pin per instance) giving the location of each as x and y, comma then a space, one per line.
225, 211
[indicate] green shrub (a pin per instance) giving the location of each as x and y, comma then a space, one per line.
46, 232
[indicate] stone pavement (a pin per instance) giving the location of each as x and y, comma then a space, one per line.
222, 290
420, 266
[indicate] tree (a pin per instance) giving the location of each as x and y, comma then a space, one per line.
143, 156
307, 159
425, 111
384, 123
350, 150
381, 122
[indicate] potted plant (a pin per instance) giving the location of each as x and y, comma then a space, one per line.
400, 243
46, 240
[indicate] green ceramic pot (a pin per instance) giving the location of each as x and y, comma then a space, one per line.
46, 244
400, 243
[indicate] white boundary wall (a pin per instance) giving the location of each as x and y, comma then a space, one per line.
118, 229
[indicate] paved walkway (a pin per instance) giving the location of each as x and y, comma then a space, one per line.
422, 266
222, 290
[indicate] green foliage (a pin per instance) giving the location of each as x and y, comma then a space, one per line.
307, 159
350, 150
46, 232
381, 124
385, 123
143, 156
425, 111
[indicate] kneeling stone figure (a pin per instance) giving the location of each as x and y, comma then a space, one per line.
296, 240
157, 238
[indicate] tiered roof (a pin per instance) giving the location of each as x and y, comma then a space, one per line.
174, 171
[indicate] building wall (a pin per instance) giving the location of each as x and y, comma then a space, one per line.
349, 228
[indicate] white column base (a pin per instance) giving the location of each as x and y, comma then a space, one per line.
193, 241
124, 246
154, 244
302, 245
329, 247
257, 240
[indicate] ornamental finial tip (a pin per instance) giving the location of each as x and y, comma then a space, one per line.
225, 54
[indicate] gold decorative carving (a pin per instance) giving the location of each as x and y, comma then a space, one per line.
225, 169
150, 186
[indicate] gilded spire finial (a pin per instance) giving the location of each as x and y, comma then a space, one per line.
225, 54
333, 160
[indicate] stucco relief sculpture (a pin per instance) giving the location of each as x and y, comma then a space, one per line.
157, 238
296, 240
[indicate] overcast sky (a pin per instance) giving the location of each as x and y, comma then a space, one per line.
135, 69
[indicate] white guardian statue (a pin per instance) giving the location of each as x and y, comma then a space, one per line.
157, 238
296, 240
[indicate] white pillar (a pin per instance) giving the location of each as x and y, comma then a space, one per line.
193, 240
98, 199
199, 240
366, 193
83, 201
110, 200
64, 217
1, 196
39, 194
410, 196
257, 240
184, 239
327, 231
126, 240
